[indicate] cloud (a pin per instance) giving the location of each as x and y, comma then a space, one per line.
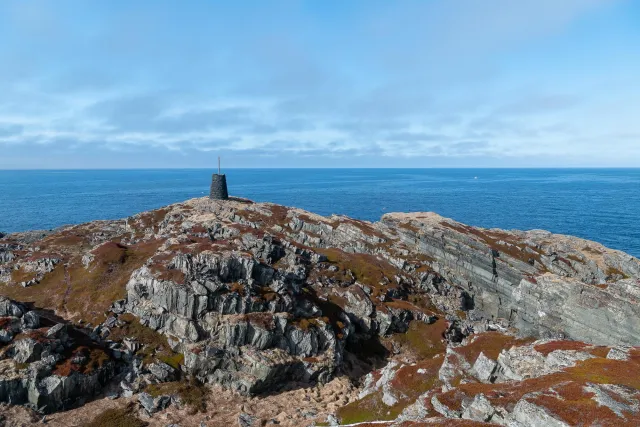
10, 130
416, 137
539, 105
399, 80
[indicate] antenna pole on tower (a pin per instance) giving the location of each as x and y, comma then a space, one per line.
218, 165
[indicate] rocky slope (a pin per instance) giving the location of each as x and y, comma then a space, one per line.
420, 319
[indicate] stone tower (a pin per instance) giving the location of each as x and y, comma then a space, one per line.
218, 189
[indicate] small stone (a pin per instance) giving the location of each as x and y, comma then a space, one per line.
146, 400
618, 353
162, 371
57, 331
246, 420
31, 320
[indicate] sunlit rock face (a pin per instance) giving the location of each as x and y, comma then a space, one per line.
431, 319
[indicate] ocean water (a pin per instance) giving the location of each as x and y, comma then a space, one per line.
596, 204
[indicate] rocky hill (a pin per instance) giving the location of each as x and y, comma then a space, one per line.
240, 313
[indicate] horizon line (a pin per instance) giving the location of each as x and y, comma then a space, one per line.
325, 168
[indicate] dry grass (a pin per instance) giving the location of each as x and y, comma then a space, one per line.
423, 341
560, 345
491, 344
86, 293
154, 344
368, 269
596, 371
408, 384
117, 417
192, 393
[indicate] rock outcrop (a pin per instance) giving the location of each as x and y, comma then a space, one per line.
543, 284
257, 297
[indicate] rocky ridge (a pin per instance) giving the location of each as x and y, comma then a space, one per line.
431, 319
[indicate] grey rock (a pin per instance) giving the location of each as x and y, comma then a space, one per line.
529, 415
31, 320
619, 353
5, 336
153, 405
483, 368
58, 330
162, 372
246, 420
541, 283
147, 402
479, 410
10, 308
443, 409
27, 350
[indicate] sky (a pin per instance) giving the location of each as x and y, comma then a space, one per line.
323, 83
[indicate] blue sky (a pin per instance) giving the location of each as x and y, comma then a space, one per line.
324, 83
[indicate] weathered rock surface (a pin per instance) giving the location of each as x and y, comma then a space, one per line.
544, 284
257, 297
49, 368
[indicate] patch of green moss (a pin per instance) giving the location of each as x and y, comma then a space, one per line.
370, 408
423, 340
154, 344
191, 392
175, 360
367, 269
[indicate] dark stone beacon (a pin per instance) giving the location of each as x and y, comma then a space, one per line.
218, 189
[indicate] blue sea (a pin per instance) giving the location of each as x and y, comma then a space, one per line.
596, 204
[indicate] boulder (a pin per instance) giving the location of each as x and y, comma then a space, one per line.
484, 368
479, 410
27, 350
162, 372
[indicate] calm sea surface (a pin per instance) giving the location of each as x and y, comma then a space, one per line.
597, 204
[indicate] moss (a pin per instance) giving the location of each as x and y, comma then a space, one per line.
408, 384
20, 275
559, 345
161, 272
599, 351
238, 288
192, 393
367, 269
308, 323
491, 344
96, 359
117, 417
613, 272
575, 405
421, 339
409, 226
154, 344
86, 293
175, 360
150, 219
370, 408
591, 250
